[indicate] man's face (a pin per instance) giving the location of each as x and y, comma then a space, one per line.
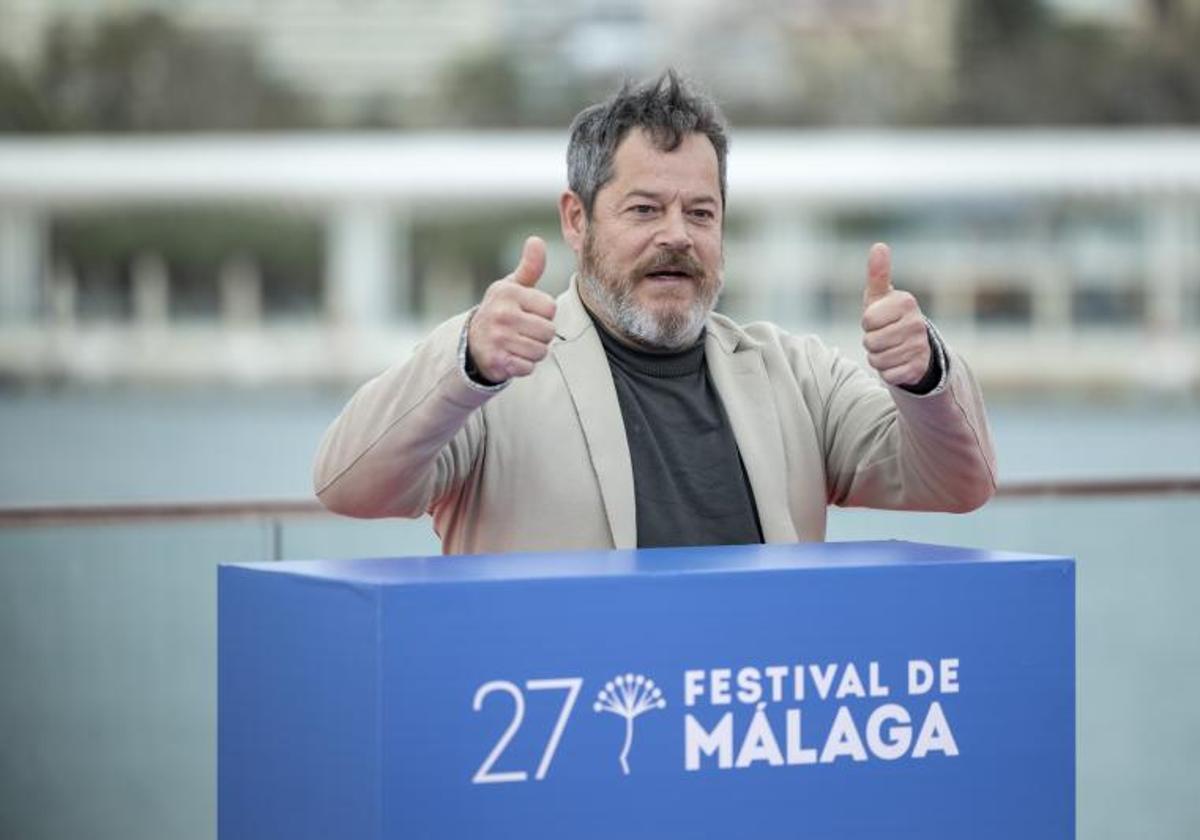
651, 256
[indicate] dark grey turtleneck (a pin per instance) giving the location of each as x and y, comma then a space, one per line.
690, 485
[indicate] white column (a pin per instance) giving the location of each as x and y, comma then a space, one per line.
240, 285
360, 264
151, 291
22, 251
63, 287
956, 287
1191, 260
401, 277
1051, 282
790, 261
1167, 240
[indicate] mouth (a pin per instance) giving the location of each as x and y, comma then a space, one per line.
668, 274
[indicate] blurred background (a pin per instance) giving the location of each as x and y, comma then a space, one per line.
217, 218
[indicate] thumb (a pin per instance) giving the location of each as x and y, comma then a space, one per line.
533, 262
879, 273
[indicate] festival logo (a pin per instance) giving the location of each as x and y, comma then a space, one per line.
629, 695
776, 715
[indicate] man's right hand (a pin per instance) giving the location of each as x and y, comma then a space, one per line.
513, 326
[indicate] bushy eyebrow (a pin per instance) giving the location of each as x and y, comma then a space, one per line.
659, 197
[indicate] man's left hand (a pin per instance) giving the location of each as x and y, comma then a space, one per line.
894, 331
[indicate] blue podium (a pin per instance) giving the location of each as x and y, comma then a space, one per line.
842, 690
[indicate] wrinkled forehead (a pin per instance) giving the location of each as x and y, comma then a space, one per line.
690, 168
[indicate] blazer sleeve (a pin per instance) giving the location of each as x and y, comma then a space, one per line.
407, 438
885, 447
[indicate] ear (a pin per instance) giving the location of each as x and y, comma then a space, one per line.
573, 218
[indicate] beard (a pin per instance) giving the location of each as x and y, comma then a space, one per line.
662, 326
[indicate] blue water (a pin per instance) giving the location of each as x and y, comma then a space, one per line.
107, 633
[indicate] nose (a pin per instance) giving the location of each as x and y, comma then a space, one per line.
673, 235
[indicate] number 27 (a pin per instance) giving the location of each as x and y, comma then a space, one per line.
485, 775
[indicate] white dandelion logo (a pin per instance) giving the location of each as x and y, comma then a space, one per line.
629, 695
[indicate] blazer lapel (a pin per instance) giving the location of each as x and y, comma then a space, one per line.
580, 357
741, 380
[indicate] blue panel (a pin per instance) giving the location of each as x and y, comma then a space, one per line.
750, 558
298, 707
734, 738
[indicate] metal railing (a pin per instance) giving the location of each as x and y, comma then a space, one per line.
276, 510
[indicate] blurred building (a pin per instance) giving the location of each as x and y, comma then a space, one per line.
380, 59
317, 255
509, 62
766, 61
768, 56
1054, 259
346, 53
1128, 13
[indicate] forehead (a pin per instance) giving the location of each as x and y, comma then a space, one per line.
690, 168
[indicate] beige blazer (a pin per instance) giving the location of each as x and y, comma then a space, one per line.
543, 463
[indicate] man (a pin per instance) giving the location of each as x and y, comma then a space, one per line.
627, 413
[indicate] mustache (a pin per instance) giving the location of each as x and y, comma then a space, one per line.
672, 261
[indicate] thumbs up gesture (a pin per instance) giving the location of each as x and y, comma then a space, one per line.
894, 331
513, 326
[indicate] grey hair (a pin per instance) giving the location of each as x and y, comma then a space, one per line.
667, 109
